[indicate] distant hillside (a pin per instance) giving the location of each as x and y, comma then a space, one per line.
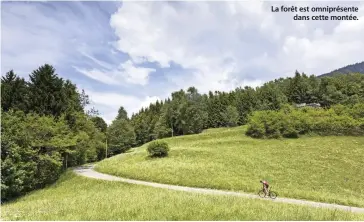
355, 68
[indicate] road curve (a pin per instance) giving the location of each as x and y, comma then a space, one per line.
88, 171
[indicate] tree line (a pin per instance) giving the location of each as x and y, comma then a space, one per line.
189, 112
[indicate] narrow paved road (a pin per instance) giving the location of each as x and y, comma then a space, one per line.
88, 171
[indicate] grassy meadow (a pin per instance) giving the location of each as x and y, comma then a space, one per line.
325, 169
79, 198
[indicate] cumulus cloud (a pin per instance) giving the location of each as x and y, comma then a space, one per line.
108, 103
220, 43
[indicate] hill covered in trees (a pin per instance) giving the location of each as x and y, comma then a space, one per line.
189, 112
354, 68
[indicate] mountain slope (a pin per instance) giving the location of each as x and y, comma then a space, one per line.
354, 68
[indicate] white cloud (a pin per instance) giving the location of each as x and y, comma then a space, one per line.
83, 50
219, 45
147, 101
98, 75
325, 52
220, 42
180, 35
135, 75
108, 103
125, 73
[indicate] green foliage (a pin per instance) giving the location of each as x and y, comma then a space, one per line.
35, 149
90, 144
189, 112
300, 89
99, 123
158, 148
45, 92
185, 114
246, 102
49, 168
163, 128
195, 119
216, 107
195, 113
122, 114
231, 116
271, 97
29, 153
54, 131
257, 125
290, 123
120, 136
357, 111
44, 131
13, 92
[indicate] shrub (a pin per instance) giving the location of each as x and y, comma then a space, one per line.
158, 149
36, 149
290, 132
256, 126
290, 123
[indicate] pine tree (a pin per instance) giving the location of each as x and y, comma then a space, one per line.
99, 123
46, 92
120, 136
122, 114
14, 92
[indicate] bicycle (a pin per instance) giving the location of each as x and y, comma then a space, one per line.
271, 194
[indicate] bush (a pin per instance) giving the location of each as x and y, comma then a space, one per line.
339, 120
290, 132
36, 149
158, 149
256, 126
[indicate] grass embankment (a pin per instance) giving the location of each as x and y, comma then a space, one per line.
325, 169
79, 198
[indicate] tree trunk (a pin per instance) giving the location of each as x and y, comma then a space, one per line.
106, 150
66, 159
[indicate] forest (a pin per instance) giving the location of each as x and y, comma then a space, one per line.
46, 127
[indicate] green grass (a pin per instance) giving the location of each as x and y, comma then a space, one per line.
325, 169
79, 198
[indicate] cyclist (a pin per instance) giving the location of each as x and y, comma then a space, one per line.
265, 186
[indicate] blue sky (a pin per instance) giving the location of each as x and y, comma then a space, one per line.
134, 53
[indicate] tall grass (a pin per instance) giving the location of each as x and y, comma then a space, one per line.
326, 169
78, 198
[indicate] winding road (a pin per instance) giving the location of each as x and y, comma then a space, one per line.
88, 171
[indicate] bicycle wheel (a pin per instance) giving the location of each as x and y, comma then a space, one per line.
261, 193
272, 195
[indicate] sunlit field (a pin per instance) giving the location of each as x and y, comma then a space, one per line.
325, 169
80, 198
